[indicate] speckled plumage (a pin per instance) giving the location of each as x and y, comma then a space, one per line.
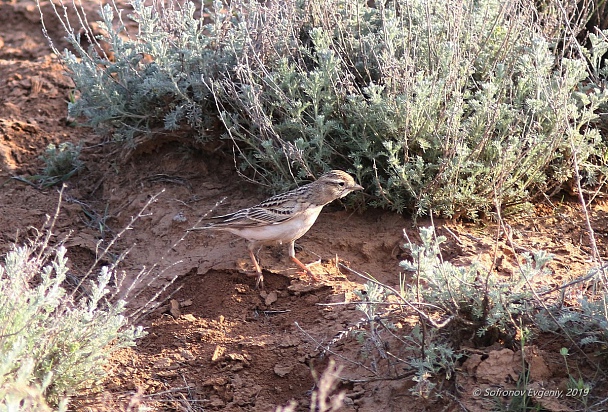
285, 217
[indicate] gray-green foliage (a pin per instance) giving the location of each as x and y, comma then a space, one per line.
60, 163
586, 322
52, 345
128, 95
427, 354
439, 358
475, 298
452, 303
450, 106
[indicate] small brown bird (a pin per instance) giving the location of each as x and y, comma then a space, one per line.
285, 217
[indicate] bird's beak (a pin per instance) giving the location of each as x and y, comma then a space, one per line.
356, 187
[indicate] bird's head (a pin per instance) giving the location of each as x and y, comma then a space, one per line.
335, 185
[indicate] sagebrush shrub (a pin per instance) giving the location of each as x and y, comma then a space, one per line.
451, 107
440, 309
474, 297
51, 344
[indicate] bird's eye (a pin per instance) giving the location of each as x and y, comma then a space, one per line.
341, 184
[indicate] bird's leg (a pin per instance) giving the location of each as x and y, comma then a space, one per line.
259, 283
292, 255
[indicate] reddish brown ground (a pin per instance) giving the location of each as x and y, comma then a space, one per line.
224, 346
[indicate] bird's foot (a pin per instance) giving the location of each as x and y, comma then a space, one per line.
305, 269
259, 282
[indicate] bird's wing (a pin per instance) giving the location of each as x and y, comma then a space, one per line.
276, 209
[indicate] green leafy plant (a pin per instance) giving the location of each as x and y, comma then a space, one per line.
577, 387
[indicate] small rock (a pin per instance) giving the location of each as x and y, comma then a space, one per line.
217, 353
186, 354
289, 341
218, 381
174, 309
162, 363
271, 298
311, 299
497, 367
241, 289
471, 364
282, 370
539, 370
244, 358
189, 317
348, 401
186, 303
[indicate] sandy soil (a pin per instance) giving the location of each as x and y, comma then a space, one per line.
215, 343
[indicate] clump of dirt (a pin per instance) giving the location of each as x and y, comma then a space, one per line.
215, 343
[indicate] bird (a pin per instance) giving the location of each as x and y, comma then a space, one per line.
284, 218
